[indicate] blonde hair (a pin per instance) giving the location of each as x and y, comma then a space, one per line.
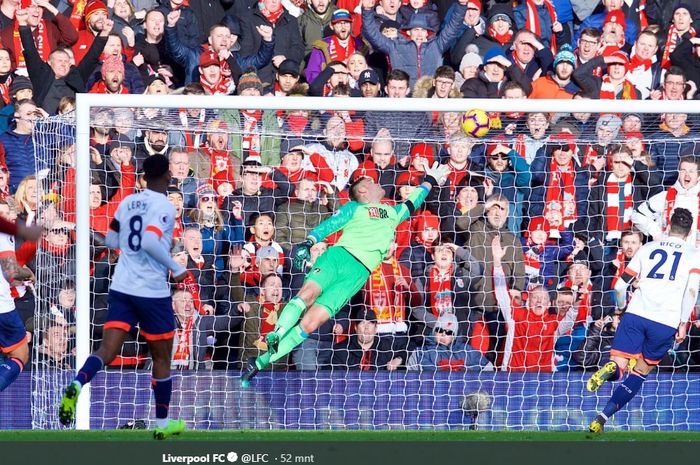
21, 193
197, 216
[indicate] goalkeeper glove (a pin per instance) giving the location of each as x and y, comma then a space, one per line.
302, 254
436, 175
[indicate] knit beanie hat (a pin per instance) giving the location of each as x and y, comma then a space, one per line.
249, 80
93, 7
112, 63
471, 57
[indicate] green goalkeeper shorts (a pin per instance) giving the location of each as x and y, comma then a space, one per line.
339, 275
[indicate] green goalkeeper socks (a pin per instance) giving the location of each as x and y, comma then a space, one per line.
289, 316
293, 338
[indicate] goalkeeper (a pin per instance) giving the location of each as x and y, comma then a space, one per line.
368, 228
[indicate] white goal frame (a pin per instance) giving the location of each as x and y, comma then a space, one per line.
86, 102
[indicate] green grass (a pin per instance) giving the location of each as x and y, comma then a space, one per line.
294, 436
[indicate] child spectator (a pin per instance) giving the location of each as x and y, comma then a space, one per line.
445, 351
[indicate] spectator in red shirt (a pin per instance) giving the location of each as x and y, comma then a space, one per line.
532, 329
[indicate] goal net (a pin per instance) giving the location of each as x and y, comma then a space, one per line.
440, 336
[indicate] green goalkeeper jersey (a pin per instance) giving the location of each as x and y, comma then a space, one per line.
368, 228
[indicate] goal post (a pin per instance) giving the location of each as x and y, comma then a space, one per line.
86, 103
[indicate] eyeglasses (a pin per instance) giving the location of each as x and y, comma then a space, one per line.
446, 332
588, 42
208, 198
499, 156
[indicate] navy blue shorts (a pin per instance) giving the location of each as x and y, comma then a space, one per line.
155, 317
12, 332
637, 337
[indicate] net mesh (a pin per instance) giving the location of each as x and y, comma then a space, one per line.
441, 350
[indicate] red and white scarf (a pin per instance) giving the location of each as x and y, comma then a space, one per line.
5, 90
621, 265
609, 90
672, 39
561, 192
41, 40
251, 137
584, 306
643, 18
338, 52
223, 87
271, 16
383, 297
636, 63
590, 156
671, 195
532, 21
190, 285
531, 257
619, 202
500, 38
440, 286
183, 335
193, 137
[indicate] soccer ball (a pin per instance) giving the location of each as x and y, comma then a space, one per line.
476, 123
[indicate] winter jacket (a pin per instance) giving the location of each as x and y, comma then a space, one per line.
458, 356
540, 181
547, 87
208, 13
267, 200
405, 55
48, 90
348, 354
645, 184
540, 64
478, 239
188, 57
551, 257
295, 219
312, 27
217, 243
466, 275
19, 157
289, 41
406, 11
666, 149
187, 26
481, 87
591, 84
320, 56
269, 140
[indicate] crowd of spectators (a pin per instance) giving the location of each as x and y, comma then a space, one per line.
509, 266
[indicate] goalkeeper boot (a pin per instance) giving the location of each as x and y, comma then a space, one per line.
250, 371
273, 341
66, 411
174, 428
597, 425
599, 378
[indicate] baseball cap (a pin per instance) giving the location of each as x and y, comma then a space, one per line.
369, 75
289, 67
341, 15
208, 58
266, 252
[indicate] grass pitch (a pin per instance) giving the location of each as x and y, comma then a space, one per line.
349, 436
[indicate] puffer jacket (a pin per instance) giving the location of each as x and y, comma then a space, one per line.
405, 55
